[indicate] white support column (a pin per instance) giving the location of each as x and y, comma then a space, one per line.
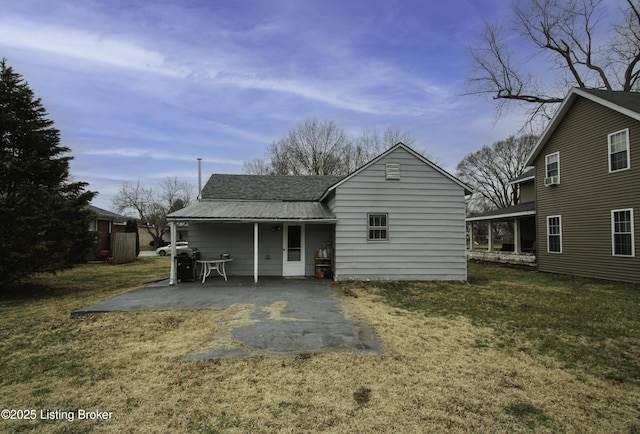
489, 236
470, 236
516, 236
172, 275
255, 252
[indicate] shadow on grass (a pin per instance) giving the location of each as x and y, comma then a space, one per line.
29, 291
87, 279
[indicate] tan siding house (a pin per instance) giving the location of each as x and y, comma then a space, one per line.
587, 173
527, 191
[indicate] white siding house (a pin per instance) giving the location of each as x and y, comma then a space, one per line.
399, 217
423, 213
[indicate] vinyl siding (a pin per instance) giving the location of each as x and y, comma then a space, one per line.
587, 193
527, 192
236, 239
426, 223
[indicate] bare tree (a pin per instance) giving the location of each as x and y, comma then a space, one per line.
152, 206
175, 193
372, 143
564, 36
489, 170
257, 167
376, 143
313, 147
317, 147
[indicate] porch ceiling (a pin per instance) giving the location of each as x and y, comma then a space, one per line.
232, 210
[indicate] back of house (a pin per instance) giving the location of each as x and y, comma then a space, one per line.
399, 217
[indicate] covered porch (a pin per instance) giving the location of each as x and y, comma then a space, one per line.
262, 239
506, 235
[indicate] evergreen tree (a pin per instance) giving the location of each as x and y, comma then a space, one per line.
44, 217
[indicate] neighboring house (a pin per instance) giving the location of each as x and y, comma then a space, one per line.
519, 246
587, 176
585, 182
399, 217
104, 224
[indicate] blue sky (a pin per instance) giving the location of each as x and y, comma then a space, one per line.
140, 89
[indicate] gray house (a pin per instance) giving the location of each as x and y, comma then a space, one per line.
399, 217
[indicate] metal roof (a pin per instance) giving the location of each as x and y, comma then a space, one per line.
239, 210
267, 187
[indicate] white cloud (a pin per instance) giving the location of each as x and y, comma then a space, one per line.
85, 45
347, 84
155, 155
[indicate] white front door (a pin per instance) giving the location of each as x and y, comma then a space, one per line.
293, 250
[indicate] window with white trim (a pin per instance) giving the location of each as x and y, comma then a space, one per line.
619, 150
378, 227
622, 236
554, 234
552, 165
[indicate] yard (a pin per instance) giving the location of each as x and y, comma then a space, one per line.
513, 351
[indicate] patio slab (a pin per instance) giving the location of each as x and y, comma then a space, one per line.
308, 319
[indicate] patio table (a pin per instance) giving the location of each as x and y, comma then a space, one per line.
206, 265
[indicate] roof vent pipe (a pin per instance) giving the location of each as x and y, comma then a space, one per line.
199, 179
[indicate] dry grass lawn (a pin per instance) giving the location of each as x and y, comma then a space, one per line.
440, 371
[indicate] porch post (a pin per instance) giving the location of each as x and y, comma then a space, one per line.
470, 236
172, 275
255, 252
489, 236
516, 236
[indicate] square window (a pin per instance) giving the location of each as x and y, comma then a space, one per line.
622, 234
378, 228
619, 150
554, 234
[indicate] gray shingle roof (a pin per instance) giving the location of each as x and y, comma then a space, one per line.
628, 100
230, 210
104, 214
267, 187
627, 103
524, 175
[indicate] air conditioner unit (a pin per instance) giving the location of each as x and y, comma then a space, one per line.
551, 180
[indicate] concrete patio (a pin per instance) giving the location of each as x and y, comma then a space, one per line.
309, 317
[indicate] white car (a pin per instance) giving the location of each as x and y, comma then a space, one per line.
166, 250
